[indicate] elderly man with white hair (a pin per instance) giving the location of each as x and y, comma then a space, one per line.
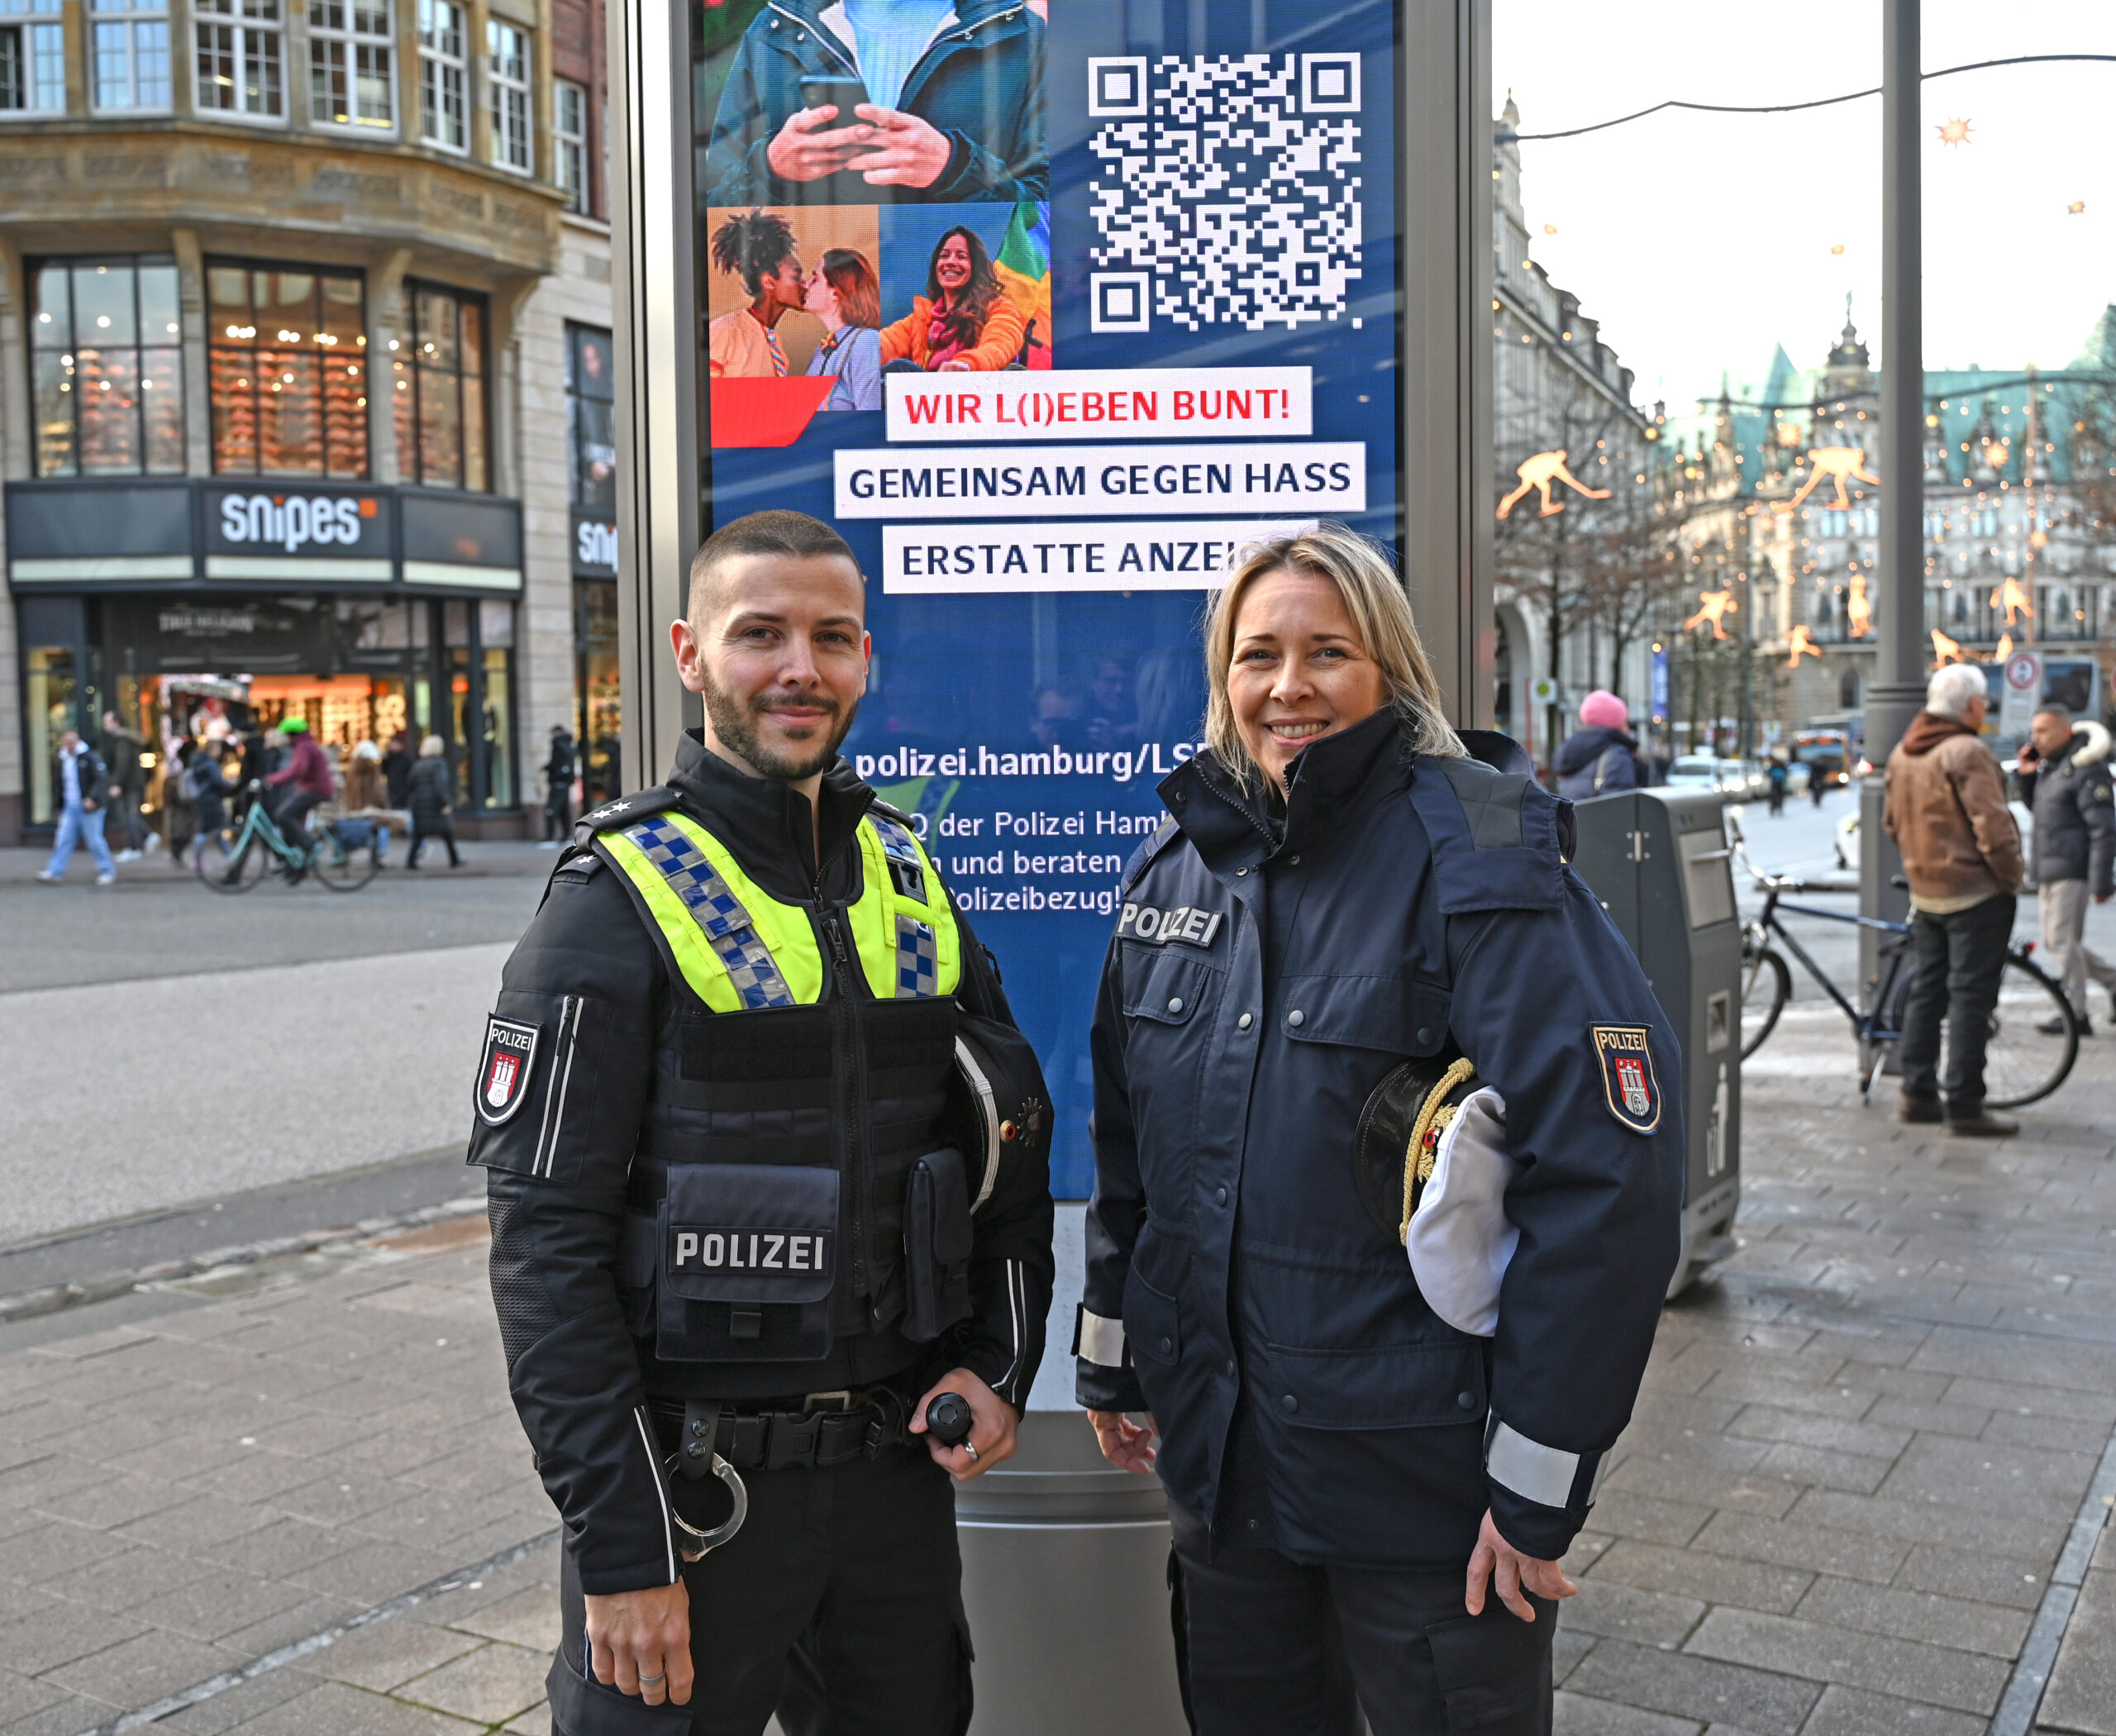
1947, 811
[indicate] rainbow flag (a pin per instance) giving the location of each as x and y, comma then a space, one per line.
1023, 267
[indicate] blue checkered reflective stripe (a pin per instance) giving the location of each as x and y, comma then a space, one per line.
717, 911
907, 868
917, 959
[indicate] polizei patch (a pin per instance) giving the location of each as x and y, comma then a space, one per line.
1628, 1082
1193, 927
702, 1249
503, 1073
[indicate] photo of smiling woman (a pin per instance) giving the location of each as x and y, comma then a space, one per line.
965, 322
1388, 1179
847, 297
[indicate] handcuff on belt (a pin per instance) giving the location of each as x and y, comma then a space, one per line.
948, 1418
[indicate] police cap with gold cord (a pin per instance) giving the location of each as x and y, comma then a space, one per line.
1387, 1178
768, 1169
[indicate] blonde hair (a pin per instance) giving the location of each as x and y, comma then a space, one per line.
432, 748
1380, 613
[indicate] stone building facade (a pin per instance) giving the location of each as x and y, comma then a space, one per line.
290, 299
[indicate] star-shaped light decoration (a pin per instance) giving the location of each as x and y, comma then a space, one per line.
1838, 247
1955, 131
1550, 229
2076, 207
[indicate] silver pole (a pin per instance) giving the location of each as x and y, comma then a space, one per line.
1898, 692
657, 373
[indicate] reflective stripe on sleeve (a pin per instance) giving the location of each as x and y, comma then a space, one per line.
1532, 1471
1099, 1341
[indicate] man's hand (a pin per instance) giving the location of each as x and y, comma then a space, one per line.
992, 1426
907, 152
2030, 759
802, 151
640, 1642
1123, 1443
1496, 1559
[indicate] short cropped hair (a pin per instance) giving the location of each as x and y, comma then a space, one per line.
774, 531
1952, 687
2062, 714
1381, 613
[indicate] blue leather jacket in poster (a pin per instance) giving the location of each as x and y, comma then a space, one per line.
1308, 1395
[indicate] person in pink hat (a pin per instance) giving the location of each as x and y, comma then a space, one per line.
1600, 758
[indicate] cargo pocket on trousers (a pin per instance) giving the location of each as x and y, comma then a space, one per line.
582, 1706
936, 1244
1494, 1669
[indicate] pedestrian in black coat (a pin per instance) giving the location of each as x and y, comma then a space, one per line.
431, 797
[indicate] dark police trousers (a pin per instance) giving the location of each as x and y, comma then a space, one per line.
838, 1605
1275, 1648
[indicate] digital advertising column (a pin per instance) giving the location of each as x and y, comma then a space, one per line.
1091, 297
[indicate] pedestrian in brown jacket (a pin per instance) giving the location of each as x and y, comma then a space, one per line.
1947, 810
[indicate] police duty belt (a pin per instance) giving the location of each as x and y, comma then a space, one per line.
1398, 1144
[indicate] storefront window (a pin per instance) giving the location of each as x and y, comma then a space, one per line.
591, 413
54, 697
437, 388
496, 702
108, 370
287, 362
597, 716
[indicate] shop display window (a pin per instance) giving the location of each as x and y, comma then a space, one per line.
591, 417
437, 388
107, 367
288, 371
597, 721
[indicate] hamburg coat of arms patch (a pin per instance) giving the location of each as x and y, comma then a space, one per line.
1629, 1085
503, 1072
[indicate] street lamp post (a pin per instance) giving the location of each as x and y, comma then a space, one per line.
1898, 693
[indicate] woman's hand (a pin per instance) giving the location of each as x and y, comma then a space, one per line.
640, 1642
955, 365
992, 1426
906, 152
1496, 1559
1123, 1443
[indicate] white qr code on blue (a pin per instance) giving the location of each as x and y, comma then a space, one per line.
1227, 190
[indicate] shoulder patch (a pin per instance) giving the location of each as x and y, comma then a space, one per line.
891, 811
1161, 836
1624, 1053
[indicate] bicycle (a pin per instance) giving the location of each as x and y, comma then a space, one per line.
238, 858
2023, 1064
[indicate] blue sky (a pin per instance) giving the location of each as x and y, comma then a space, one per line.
1701, 241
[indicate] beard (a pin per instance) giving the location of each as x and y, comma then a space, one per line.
736, 722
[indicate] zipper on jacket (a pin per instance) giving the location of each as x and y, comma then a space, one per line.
853, 1094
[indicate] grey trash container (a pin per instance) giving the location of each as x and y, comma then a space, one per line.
1659, 862
1065, 1566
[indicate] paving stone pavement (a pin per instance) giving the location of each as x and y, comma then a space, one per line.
1860, 1449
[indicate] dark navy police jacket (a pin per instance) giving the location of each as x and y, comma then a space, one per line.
1308, 1397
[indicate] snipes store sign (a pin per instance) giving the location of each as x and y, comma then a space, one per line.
250, 529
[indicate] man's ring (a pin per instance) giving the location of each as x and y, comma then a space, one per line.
970, 1448
653, 1681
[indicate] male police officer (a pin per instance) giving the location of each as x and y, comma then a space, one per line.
732, 1221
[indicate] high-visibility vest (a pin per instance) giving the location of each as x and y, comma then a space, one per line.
742, 950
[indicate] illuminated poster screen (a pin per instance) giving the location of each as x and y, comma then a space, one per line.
1051, 309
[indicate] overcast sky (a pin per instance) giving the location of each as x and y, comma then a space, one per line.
1701, 241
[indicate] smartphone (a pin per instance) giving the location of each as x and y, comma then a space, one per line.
818, 89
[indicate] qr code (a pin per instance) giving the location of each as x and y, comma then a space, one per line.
1229, 191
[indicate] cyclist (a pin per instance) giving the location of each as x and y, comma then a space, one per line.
303, 781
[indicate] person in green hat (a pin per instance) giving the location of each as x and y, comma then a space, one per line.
303, 781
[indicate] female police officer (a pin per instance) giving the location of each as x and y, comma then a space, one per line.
1357, 1004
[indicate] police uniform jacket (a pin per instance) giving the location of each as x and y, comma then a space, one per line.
727, 1202
1271, 966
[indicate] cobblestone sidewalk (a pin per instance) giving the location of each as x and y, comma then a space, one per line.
1862, 1446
